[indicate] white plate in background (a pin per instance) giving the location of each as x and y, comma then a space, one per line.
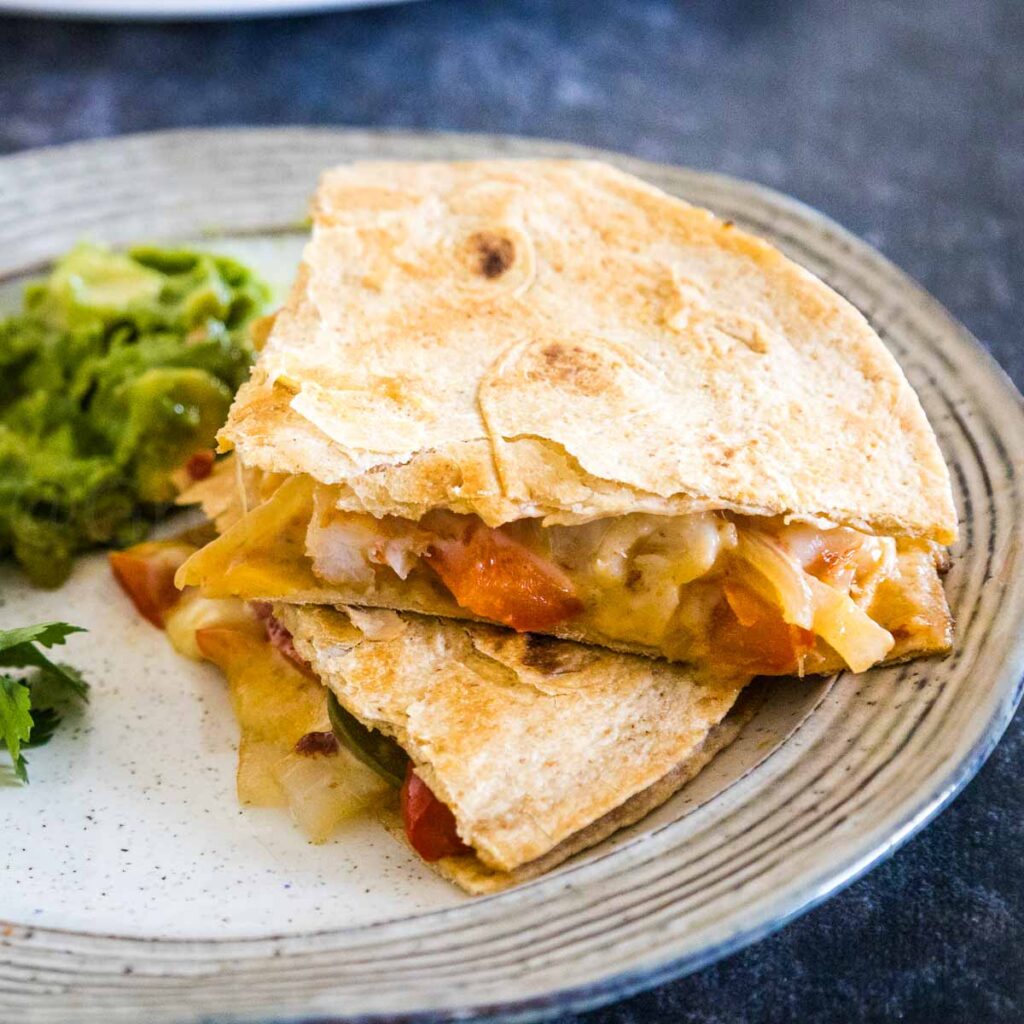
179, 10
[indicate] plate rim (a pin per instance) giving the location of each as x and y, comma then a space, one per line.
948, 783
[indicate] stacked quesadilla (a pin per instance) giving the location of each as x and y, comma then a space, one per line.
538, 466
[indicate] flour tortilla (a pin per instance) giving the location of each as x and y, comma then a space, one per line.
560, 339
540, 747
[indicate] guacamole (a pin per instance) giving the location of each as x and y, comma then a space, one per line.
118, 369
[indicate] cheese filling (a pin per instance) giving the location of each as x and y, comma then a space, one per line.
707, 587
719, 590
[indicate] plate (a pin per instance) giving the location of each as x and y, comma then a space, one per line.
136, 889
157, 10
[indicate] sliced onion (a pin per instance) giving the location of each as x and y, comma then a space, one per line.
791, 585
847, 628
847, 555
323, 791
807, 602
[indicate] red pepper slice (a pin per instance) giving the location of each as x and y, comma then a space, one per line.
429, 824
146, 574
752, 632
500, 579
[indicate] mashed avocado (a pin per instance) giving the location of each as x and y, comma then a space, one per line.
118, 368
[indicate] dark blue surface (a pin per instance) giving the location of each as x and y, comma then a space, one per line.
902, 119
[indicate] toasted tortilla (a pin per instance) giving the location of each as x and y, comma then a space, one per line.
540, 747
475, 877
561, 339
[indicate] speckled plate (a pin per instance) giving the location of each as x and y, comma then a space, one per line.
135, 889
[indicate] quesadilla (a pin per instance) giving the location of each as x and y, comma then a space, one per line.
496, 754
547, 395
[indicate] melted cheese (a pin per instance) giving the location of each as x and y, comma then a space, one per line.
277, 705
642, 579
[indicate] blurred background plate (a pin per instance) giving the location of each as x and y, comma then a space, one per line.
157, 10
135, 889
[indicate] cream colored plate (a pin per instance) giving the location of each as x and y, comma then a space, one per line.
136, 889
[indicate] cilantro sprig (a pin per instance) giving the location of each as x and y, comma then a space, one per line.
30, 703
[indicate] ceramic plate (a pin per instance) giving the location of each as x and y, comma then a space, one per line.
134, 887
156, 10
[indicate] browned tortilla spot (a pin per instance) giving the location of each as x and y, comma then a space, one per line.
494, 253
573, 366
553, 657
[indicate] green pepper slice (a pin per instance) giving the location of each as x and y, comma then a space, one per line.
374, 749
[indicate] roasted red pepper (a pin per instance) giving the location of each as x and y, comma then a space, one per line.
500, 579
146, 574
429, 824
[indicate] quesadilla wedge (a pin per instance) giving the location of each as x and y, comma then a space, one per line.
547, 395
539, 747
497, 755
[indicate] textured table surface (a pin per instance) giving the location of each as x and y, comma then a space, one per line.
902, 119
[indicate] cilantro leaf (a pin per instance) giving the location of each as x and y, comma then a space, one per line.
25, 655
28, 715
46, 633
15, 720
